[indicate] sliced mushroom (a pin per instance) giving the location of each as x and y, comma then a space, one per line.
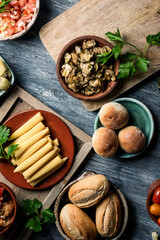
67, 57
85, 56
66, 69
78, 49
86, 68
88, 44
75, 58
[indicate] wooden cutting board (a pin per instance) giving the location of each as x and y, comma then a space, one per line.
17, 101
135, 19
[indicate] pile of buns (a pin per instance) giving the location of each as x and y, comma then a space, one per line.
105, 140
92, 191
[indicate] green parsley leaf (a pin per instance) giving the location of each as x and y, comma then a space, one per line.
126, 69
11, 149
142, 64
31, 206
104, 57
48, 216
117, 50
114, 36
3, 5
34, 224
128, 56
4, 134
153, 39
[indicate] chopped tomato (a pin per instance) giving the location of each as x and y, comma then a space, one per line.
26, 17
10, 31
22, 3
31, 7
14, 2
32, 2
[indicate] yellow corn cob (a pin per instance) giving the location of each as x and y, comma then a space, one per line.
56, 142
34, 158
27, 126
40, 163
13, 161
54, 163
32, 150
35, 182
27, 144
36, 129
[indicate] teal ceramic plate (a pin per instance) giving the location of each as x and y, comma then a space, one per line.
140, 116
12, 80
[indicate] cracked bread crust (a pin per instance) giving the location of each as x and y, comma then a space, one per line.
108, 215
89, 191
77, 224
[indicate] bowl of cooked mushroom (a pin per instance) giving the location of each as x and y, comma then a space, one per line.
79, 72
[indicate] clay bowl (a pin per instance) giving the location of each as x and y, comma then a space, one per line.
13, 198
69, 48
20, 34
149, 202
63, 199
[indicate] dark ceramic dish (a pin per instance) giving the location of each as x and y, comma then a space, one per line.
13, 198
69, 48
63, 199
149, 202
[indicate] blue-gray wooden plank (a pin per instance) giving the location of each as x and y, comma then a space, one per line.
35, 71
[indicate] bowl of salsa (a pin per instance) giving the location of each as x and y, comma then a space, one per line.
17, 17
8, 208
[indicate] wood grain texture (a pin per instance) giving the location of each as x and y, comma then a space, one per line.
135, 19
18, 101
35, 71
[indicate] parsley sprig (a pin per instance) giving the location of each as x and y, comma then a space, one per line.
130, 61
32, 209
3, 5
4, 136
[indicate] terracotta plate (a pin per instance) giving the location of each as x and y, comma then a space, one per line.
58, 130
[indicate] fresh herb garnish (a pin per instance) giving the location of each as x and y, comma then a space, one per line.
4, 136
130, 61
32, 208
3, 5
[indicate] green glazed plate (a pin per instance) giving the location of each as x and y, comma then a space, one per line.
12, 80
140, 116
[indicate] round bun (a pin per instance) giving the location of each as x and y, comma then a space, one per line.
77, 224
105, 142
131, 139
113, 115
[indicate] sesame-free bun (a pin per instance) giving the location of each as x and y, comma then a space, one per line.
77, 224
113, 115
105, 142
131, 139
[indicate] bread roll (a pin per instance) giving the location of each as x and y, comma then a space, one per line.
108, 215
88, 191
76, 224
131, 139
105, 142
113, 115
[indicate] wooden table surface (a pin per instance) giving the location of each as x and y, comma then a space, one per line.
35, 71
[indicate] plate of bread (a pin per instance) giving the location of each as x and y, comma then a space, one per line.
91, 207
